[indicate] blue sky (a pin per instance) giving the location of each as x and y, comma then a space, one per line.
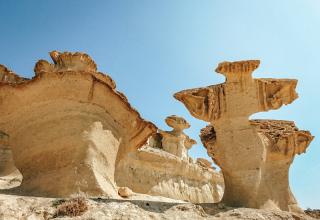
153, 49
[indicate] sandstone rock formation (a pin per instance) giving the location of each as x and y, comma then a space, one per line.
176, 142
205, 163
9, 77
163, 168
9, 175
254, 156
68, 126
156, 172
6, 160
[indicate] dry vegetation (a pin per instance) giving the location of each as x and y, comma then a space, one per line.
72, 207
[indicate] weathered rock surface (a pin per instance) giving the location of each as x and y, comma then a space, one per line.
69, 127
138, 208
253, 156
156, 172
9, 175
125, 192
176, 142
9, 77
6, 160
204, 162
163, 168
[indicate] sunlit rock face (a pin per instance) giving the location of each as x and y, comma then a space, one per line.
254, 156
69, 127
163, 168
176, 141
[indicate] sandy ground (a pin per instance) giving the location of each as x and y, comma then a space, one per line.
139, 206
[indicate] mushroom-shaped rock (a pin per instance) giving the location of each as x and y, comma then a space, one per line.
176, 141
163, 168
177, 123
243, 148
69, 126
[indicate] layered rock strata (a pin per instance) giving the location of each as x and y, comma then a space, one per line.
254, 156
69, 126
156, 172
163, 168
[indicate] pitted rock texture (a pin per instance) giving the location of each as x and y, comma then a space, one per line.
69, 126
254, 156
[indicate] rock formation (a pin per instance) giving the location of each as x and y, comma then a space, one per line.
68, 126
205, 163
254, 156
158, 173
9, 77
176, 142
6, 160
10, 177
163, 168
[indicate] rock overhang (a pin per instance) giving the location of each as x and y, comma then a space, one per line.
48, 116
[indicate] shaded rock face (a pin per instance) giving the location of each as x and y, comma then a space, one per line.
6, 161
10, 177
69, 126
254, 156
163, 168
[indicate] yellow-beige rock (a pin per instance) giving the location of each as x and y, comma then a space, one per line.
163, 168
205, 163
254, 156
10, 177
69, 127
9, 77
176, 142
6, 160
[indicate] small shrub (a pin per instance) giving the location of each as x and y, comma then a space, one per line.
72, 207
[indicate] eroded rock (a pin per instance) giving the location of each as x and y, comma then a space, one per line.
176, 141
69, 126
156, 172
163, 168
9, 77
205, 163
254, 156
10, 177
